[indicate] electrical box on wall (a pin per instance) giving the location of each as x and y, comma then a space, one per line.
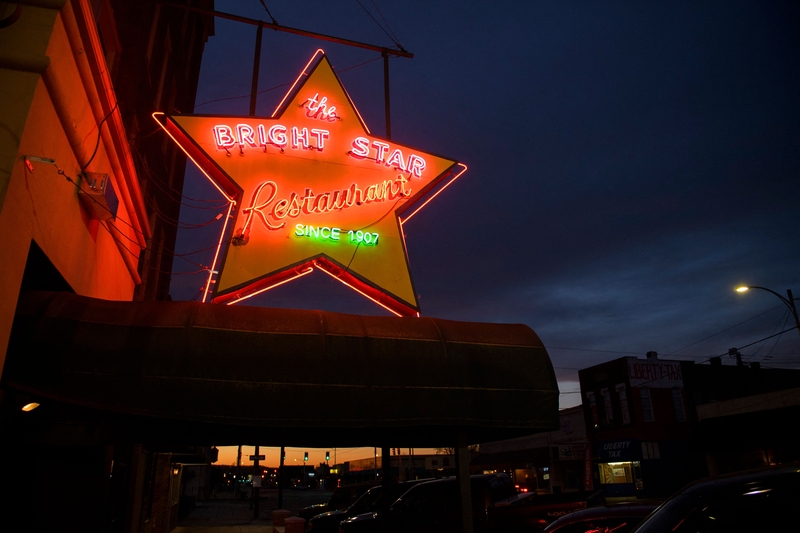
98, 196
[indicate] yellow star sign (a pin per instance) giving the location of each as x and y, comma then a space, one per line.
311, 187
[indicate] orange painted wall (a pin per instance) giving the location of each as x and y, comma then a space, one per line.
61, 123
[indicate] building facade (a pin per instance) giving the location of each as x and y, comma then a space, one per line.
656, 424
551, 462
639, 425
89, 201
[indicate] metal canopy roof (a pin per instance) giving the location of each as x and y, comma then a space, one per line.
188, 372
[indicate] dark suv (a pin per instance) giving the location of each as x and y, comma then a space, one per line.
756, 500
341, 498
370, 502
435, 506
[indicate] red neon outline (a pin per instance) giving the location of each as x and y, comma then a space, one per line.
352, 103
408, 259
298, 274
406, 219
362, 293
216, 253
192, 159
291, 89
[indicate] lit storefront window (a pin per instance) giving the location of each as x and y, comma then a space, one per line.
628, 472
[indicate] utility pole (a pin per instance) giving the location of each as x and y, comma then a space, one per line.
238, 471
280, 478
256, 482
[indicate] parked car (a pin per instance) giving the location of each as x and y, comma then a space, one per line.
370, 502
341, 498
755, 500
533, 512
619, 518
435, 506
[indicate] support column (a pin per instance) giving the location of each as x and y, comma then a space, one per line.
465, 490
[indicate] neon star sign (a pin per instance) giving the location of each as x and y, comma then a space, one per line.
311, 187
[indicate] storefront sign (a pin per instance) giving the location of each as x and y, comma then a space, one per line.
654, 373
312, 187
570, 452
618, 450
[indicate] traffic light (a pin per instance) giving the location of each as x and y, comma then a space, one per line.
305, 457
327, 456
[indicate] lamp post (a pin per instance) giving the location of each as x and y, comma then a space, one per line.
788, 302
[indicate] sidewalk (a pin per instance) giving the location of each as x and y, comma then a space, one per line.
226, 514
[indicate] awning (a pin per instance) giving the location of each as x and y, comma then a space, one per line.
177, 372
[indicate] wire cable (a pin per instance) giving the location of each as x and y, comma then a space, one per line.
724, 330
268, 13
99, 133
395, 39
379, 24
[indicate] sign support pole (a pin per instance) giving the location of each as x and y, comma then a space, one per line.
256, 68
387, 107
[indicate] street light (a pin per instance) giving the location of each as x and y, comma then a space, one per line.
788, 302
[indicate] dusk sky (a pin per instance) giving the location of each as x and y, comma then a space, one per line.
630, 164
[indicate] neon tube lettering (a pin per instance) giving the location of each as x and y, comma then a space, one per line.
380, 150
319, 109
223, 135
415, 165
262, 136
308, 203
396, 160
321, 135
277, 136
299, 136
246, 135
360, 148
258, 209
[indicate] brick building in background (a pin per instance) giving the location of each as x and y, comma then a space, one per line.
656, 424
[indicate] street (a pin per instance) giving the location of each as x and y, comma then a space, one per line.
226, 513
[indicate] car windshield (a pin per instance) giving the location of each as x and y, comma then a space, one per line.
368, 501
340, 498
755, 506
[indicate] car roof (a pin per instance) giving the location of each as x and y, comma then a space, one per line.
604, 511
736, 479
